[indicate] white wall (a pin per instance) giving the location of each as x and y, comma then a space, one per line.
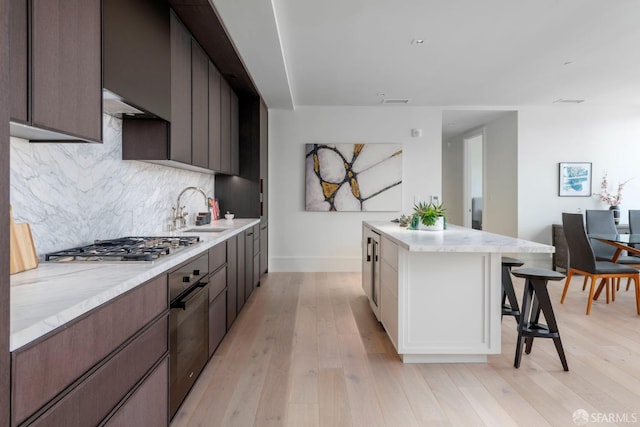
330, 241
500, 172
501, 175
453, 179
608, 137
475, 158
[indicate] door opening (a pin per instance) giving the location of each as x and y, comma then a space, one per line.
473, 180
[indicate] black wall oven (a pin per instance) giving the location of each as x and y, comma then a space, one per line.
188, 327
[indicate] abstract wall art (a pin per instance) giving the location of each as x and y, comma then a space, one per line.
575, 179
353, 177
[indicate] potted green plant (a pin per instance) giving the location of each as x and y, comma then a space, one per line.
428, 216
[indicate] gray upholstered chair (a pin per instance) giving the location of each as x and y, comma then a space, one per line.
634, 221
583, 263
602, 222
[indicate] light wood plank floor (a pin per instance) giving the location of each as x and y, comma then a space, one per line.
307, 351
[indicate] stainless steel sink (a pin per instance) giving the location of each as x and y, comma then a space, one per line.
207, 230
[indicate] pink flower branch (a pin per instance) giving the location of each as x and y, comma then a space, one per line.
609, 198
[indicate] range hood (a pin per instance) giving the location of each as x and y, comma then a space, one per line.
136, 55
115, 105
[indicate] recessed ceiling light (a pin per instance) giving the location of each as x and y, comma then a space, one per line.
380, 93
417, 41
568, 63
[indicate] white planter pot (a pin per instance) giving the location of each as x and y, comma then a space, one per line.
438, 226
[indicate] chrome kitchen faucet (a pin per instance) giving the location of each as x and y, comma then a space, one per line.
179, 214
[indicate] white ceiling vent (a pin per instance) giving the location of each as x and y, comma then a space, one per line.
568, 101
395, 101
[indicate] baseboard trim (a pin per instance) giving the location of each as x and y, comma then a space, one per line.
315, 264
354, 264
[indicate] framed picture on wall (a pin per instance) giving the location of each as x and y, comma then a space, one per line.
353, 177
575, 179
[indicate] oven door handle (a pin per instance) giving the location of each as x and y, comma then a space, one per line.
194, 293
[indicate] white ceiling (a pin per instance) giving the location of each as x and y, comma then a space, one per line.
475, 52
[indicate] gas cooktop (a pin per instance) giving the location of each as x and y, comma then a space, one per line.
125, 249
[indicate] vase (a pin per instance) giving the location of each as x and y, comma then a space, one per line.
438, 226
616, 214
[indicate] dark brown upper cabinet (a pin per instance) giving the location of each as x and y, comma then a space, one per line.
234, 133
137, 55
203, 130
180, 141
199, 106
214, 119
18, 52
253, 147
57, 71
225, 127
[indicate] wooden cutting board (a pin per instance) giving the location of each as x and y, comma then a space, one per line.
22, 251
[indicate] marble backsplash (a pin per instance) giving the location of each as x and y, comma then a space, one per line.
75, 193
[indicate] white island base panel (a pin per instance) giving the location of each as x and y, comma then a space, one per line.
449, 306
438, 294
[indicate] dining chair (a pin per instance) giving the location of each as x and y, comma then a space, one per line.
583, 262
603, 222
634, 222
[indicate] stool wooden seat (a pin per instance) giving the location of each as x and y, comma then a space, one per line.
512, 308
535, 300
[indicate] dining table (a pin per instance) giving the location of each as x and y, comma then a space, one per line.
622, 242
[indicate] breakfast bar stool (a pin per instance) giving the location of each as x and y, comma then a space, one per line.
534, 300
512, 308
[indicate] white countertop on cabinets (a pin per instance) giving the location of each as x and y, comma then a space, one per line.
455, 239
53, 294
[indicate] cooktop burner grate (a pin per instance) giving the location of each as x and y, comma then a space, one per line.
125, 249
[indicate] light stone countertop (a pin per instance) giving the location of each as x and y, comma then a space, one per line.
455, 239
53, 294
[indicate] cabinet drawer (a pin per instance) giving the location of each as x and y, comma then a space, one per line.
217, 256
217, 283
95, 397
256, 239
42, 369
217, 321
148, 404
389, 278
389, 252
389, 314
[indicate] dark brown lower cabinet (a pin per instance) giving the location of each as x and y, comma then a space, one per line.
232, 280
148, 404
248, 263
110, 366
217, 309
264, 248
84, 370
241, 270
96, 396
256, 256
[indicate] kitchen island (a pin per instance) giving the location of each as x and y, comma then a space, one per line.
438, 294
